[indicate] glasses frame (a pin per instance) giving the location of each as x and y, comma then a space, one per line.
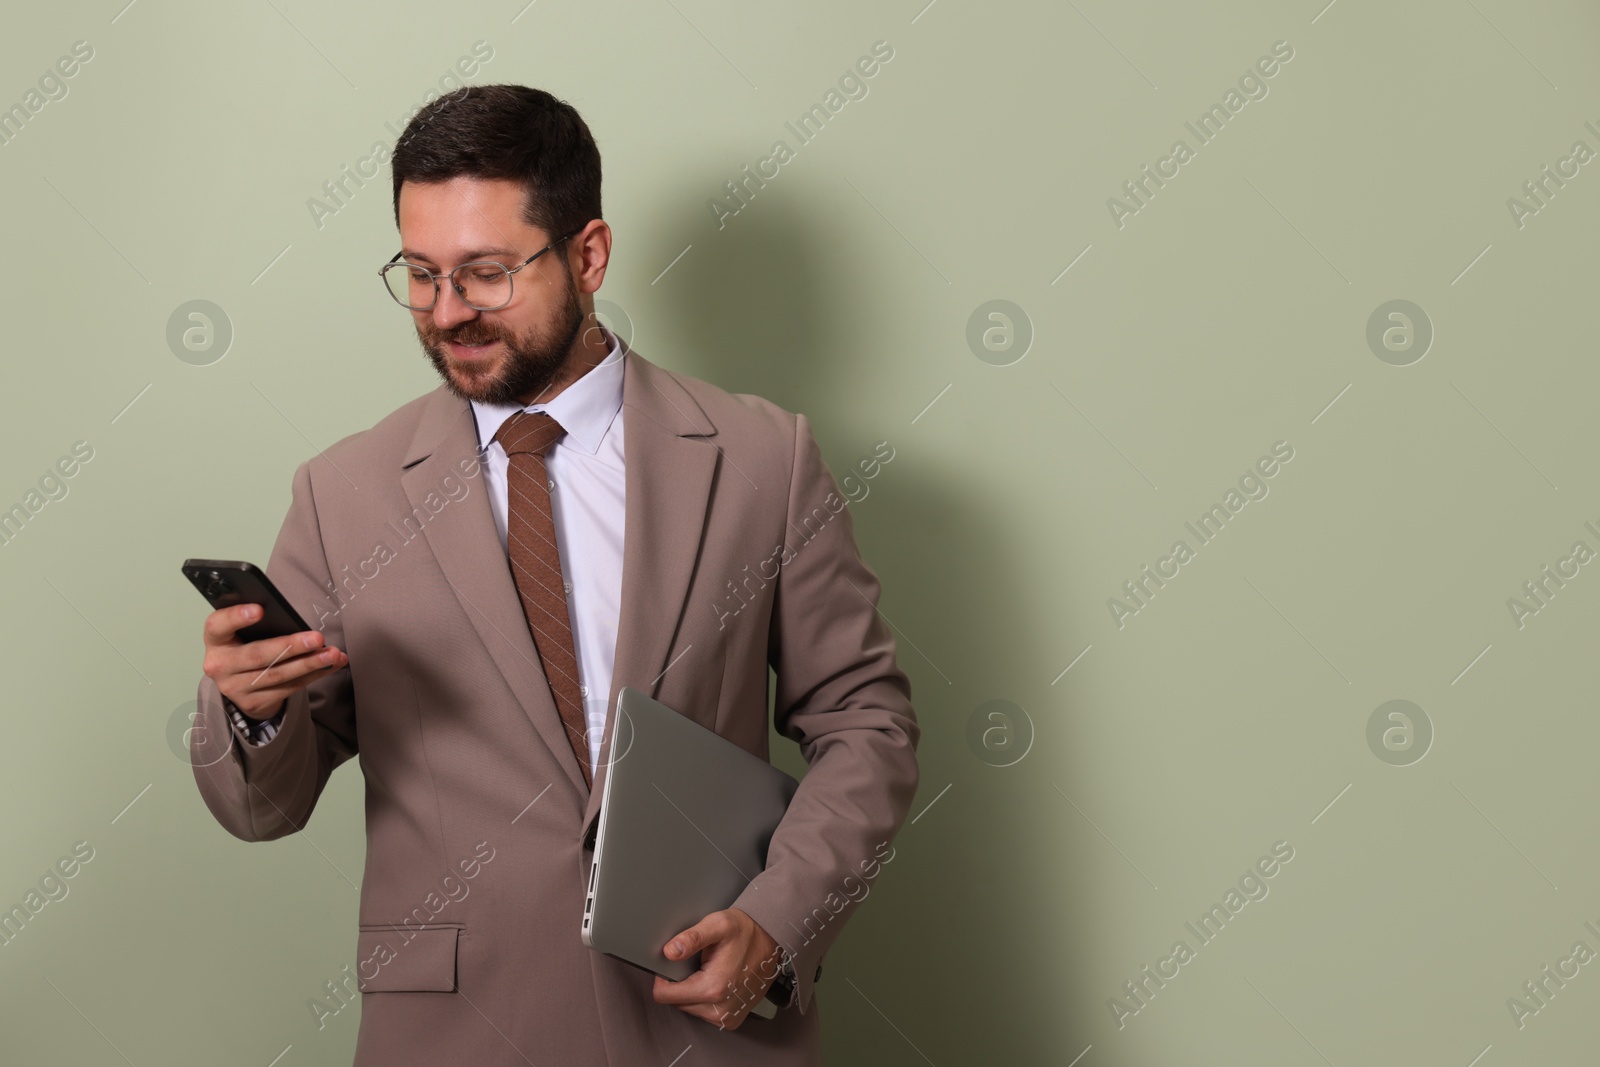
460, 292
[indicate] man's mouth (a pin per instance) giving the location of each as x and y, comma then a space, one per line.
469, 352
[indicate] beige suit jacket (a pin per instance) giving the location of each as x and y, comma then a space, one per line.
738, 553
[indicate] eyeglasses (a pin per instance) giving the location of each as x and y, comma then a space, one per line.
483, 285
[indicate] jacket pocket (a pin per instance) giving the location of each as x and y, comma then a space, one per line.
391, 957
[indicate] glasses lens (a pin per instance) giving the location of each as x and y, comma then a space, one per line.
409, 285
483, 285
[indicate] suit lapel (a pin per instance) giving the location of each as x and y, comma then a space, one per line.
670, 469
669, 473
463, 539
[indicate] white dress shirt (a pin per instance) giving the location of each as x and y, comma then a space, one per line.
587, 496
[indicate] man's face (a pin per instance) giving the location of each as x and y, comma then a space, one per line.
508, 355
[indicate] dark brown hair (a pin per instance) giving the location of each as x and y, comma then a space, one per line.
507, 131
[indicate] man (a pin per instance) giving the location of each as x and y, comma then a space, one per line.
696, 537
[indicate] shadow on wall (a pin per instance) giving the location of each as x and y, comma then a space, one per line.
952, 953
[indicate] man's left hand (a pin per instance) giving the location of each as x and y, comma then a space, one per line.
738, 962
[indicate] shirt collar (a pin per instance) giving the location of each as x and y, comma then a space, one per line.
584, 409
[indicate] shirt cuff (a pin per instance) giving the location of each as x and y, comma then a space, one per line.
256, 731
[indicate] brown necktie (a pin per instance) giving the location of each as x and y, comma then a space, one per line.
536, 567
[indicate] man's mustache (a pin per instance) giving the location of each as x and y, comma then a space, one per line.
466, 337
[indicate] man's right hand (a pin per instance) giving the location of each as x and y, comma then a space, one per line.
259, 676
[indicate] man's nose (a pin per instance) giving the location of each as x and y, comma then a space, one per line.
449, 310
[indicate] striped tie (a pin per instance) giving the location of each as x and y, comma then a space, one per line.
536, 567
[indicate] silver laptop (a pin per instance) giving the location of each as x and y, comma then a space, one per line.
685, 819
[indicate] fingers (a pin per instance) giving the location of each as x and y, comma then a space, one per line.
221, 632
736, 968
704, 987
717, 968
293, 671
258, 675
251, 693
725, 1008
723, 1017
707, 931
273, 652
223, 623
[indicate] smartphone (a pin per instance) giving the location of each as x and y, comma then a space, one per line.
227, 582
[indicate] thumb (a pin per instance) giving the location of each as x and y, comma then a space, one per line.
688, 942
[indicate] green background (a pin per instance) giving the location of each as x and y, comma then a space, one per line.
1228, 314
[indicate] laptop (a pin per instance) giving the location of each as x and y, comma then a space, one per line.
685, 819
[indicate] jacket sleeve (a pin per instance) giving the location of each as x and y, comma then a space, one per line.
260, 792
256, 731
842, 697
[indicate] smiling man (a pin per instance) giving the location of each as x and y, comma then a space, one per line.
602, 509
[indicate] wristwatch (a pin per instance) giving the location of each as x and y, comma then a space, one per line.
781, 993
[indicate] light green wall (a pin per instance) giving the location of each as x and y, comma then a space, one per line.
1228, 314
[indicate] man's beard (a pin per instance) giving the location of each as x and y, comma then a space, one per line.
526, 365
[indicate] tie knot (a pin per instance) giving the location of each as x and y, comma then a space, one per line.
529, 431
